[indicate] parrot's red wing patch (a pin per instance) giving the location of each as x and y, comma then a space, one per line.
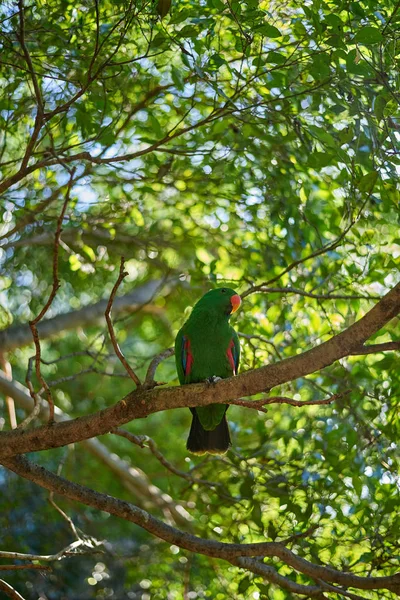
187, 356
230, 354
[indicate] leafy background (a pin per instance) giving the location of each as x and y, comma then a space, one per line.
219, 145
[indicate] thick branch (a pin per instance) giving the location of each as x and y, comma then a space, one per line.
190, 542
131, 478
141, 403
20, 335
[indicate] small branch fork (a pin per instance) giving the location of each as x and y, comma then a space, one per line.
260, 404
118, 352
34, 322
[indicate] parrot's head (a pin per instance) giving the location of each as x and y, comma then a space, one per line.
224, 301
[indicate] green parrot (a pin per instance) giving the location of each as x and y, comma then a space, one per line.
207, 347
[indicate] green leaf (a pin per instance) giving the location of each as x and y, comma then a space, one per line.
163, 7
256, 515
177, 78
379, 105
318, 160
244, 584
275, 58
367, 182
368, 35
270, 31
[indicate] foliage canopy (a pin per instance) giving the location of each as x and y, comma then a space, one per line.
250, 144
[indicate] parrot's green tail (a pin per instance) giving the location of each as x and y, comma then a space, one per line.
201, 441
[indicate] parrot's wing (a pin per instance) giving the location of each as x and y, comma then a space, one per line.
236, 351
233, 352
183, 357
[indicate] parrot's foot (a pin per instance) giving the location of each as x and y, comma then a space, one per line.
213, 379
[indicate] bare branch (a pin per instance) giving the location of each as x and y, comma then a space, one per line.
252, 336
130, 371
259, 404
291, 290
77, 547
151, 371
144, 441
133, 479
60, 511
374, 348
9, 591
227, 551
336, 590
271, 575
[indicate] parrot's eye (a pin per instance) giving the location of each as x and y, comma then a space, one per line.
223, 291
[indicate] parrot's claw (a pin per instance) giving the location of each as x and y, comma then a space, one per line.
213, 379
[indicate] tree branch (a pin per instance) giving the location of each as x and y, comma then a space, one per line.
259, 404
70, 550
35, 321
9, 591
133, 479
291, 290
141, 402
272, 576
118, 352
151, 371
226, 551
374, 348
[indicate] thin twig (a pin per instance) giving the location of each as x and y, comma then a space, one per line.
151, 371
34, 322
328, 247
337, 590
298, 536
373, 348
70, 550
292, 290
121, 276
259, 404
143, 441
60, 510
251, 336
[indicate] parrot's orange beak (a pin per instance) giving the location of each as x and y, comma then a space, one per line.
236, 301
